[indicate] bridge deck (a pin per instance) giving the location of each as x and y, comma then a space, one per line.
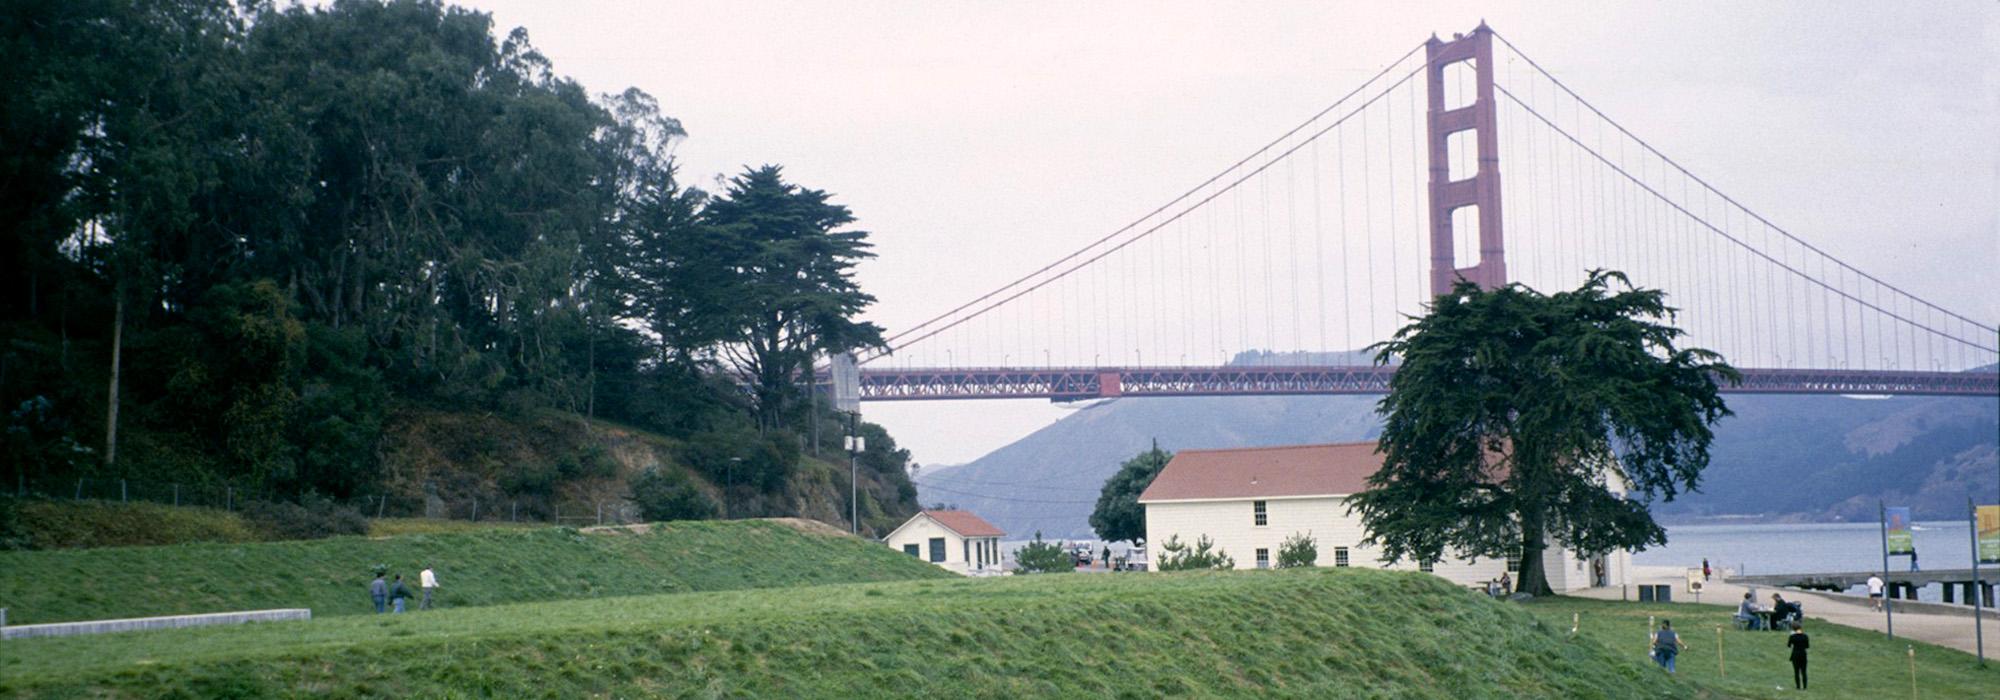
1082, 383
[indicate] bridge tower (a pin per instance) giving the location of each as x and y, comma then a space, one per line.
1480, 191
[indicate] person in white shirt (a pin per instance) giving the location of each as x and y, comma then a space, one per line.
429, 582
1875, 592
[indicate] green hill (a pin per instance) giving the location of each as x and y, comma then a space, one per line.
1315, 633
474, 569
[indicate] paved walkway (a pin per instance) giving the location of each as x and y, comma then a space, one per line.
1952, 629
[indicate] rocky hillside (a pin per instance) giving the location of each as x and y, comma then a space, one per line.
1806, 458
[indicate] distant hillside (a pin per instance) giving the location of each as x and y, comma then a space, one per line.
1808, 458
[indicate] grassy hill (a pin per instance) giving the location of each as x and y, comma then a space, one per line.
474, 568
1315, 633
1846, 662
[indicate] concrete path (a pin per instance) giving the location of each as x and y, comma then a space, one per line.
1936, 623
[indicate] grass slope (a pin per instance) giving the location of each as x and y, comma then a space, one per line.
1316, 633
474, 568
1845, 662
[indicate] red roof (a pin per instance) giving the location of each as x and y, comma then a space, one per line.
1266, 472
964, 523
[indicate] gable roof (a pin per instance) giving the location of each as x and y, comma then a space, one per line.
964, 523
1266, 472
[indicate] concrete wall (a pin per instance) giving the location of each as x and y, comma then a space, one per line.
64, 629
1231, 524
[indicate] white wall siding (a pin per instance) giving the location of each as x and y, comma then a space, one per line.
921, 529
1231, 525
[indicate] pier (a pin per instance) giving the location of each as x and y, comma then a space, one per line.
1899, 584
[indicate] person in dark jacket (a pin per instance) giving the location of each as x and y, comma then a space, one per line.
1667, 645
379, 590
1798, 642
398, 593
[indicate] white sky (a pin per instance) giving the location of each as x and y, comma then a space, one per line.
979, 141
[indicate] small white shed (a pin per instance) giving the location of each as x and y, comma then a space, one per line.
959, 541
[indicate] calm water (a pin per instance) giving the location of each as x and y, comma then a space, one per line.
1825, 547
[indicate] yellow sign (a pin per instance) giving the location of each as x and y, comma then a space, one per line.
1989, 534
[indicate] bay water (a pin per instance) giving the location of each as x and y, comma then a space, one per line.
1812, 548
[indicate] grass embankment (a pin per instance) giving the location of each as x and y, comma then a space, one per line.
1318, 633
474, 568
1845, 662
51, 524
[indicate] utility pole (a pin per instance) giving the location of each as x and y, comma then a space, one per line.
855, 444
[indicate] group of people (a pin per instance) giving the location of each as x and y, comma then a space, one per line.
1779, 615
389, 594
1667, 644
1500, 587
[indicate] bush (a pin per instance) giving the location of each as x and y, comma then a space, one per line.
1040, 557
663, 494
42, 524
1298, 550
1175, 555
315, 518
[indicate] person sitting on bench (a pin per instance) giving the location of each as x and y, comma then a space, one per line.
1749, 614
1784, 612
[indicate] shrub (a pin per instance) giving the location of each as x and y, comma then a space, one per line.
44, 524
314, 518
12, 536
664, 494
1298, 550
1175, 555
1042, 557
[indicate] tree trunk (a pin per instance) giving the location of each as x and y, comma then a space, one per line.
111, 401
1534, 578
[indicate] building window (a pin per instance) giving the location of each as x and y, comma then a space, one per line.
1263, 559
1424, 566
937, 550
911, 549
1514, 561
1262, 518
1339, 556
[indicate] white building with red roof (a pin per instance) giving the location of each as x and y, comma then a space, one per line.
1248, 500
954, 539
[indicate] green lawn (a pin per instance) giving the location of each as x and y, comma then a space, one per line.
1314, 633
486, 567
1845, 662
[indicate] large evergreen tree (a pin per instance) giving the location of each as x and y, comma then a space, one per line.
792, 290
1514, 415
1118, 515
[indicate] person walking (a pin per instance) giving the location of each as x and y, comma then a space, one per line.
379, 590
1667, 645
1913, 560
398, 593
1705, 571
1875, 592
1798, 642
429, 582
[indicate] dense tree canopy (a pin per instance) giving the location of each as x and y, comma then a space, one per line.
257, 230
1516, 417
1118, 515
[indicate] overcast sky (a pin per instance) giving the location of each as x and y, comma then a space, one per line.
979, 141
